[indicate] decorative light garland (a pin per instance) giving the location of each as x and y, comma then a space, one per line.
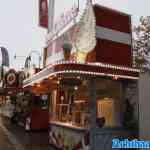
97, 64
84, 72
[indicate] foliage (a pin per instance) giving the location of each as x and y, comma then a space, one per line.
141, 44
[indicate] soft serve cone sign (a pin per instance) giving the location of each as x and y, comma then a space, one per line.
86, 38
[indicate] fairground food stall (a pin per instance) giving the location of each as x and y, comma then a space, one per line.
89, 76
84, 96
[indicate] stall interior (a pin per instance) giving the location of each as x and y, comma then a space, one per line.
70, 102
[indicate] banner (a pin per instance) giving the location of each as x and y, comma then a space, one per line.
5, 56
43, 13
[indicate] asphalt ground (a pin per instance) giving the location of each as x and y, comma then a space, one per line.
14, 137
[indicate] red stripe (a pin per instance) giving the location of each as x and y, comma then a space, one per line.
111, 19
43, 13
113, 53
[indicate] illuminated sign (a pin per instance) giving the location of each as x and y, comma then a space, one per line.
80, 37
66, 16
63, 13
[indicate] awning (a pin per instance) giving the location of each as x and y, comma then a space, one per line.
89, 69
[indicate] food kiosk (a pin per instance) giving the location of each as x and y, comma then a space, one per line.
92, 84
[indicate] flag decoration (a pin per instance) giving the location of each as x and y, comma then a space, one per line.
5, 56
43, 13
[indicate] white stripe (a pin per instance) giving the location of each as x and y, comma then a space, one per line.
113, 35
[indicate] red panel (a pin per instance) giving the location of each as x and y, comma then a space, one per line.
91, 56
39, 119
113, 53
112, 19
43, 13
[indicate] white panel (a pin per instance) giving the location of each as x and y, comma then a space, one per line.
113, 35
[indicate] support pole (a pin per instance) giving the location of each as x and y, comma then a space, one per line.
51, 12
92, 92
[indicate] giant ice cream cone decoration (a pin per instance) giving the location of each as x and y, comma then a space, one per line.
81, 56
86, 37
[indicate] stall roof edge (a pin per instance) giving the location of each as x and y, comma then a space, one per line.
112, 9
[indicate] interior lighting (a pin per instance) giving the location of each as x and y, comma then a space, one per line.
76, 87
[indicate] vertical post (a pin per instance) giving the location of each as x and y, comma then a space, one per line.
2, 72
44, 57
39, 61
51, 11
92, 92
123, 98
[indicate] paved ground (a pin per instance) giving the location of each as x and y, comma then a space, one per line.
5, 144
13, 137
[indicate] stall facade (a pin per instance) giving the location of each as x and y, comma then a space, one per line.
90, 79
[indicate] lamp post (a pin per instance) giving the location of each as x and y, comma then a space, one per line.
15, 56
22, 58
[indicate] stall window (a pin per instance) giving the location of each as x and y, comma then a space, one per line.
105, 110
71, 103
109, 103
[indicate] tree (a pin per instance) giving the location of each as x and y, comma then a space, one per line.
141, 44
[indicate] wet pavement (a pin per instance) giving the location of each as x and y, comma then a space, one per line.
14, 137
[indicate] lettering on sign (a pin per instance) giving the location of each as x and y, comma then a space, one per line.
65, 18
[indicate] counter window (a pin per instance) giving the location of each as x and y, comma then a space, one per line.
71, 100
71, 104
109, 102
